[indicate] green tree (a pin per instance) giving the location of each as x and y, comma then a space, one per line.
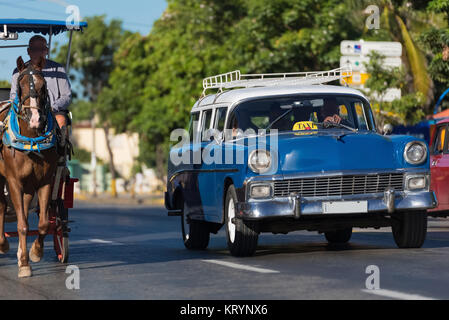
5, 84
92, 59
440, 6
406, 110
158, 77
403, 21
436, 41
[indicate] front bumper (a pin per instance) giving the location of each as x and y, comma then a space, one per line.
294, 206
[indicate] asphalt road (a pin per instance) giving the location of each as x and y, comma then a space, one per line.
137, 253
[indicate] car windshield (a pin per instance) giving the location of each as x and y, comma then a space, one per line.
310, 113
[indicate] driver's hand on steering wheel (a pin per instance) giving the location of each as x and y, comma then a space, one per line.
336, 119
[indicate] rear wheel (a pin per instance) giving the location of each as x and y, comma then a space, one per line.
61, 233
61, 244
241, 235
410, 229
339, 236
195, 234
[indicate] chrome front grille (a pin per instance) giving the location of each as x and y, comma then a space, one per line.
339, 185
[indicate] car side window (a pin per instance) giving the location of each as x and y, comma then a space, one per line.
205, 123
220, 118
358, 106
193, 126
441, 140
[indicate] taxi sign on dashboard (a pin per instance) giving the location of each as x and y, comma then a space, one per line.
305, 126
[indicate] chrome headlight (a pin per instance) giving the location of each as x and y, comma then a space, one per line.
259, 161
415, 152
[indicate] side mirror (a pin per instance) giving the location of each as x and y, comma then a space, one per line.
388, 129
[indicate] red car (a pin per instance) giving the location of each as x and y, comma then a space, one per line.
439, 167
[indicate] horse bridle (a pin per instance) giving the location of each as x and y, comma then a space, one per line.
30, 71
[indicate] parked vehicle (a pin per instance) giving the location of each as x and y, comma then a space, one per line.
319, 164
439, 160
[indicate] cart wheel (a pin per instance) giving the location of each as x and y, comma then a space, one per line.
61, 243
61, 235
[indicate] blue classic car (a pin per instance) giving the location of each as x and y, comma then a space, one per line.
283, 152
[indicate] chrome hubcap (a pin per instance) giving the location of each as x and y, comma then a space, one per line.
231, 225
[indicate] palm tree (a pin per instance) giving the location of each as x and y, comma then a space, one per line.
400, 21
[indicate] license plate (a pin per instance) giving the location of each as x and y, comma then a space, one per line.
342, 207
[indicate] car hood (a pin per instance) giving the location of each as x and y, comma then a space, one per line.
339, 151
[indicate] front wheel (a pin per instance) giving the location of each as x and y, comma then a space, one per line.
410, 229
241, 235
195, 234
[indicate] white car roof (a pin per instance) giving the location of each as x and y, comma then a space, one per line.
233, 96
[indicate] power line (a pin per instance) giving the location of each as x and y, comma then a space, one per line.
18, 6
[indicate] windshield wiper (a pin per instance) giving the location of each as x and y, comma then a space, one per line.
278, 119
329, 124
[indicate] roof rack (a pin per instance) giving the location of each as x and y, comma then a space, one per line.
235, 79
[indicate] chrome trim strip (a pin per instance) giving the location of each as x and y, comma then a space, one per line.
287, 207
320, 174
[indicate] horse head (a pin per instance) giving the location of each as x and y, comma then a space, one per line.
33, 94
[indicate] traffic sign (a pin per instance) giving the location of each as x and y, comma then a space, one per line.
357, 79
356, 54
364, 48
358, 62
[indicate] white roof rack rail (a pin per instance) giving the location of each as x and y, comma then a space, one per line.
235, 79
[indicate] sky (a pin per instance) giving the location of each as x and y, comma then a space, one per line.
137, 15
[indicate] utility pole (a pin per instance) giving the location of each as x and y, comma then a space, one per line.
93, 160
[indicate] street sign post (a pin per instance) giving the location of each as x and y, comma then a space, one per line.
356, 54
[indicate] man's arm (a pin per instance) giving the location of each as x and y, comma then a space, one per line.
13, 92
65, 91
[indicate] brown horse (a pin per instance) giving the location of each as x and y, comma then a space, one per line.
28, 173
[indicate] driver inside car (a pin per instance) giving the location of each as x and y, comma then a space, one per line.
330, 112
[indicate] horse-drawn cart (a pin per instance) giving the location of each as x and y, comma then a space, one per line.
63, 185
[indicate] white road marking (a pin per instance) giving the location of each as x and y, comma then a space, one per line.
98, 241
149, 236
397, 295
241, 266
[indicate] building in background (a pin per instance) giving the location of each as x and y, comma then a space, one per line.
125, 149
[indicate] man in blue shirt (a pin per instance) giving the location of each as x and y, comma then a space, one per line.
58, 85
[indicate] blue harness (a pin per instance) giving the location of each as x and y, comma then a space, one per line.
13, 138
